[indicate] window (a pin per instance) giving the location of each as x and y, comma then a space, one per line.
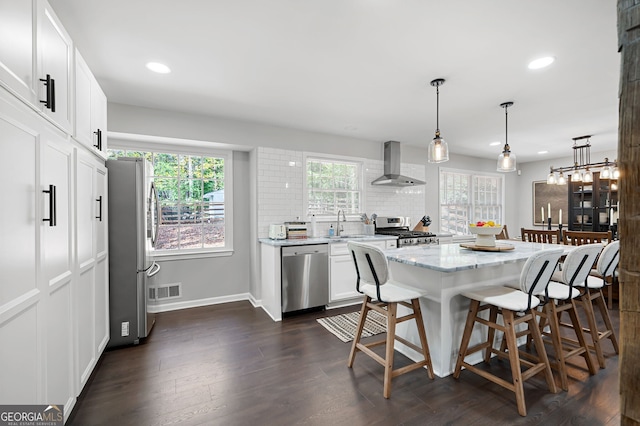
191, 200
333, 185
467, 197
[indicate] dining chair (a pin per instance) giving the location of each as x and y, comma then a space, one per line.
383, 295
577, 238
540, 236
504, 234
516, 306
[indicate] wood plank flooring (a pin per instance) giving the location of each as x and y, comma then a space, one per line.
230, 364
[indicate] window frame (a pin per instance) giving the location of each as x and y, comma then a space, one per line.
227, 156
334, 159
471, 174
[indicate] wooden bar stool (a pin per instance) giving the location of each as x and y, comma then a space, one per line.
592, 295
516, 306
375, 282
561, 294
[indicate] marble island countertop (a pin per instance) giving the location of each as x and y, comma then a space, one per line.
325, 240
452, 257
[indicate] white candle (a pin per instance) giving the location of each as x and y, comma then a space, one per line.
548, 209
560, 217
542, 214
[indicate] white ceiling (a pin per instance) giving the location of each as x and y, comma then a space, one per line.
362, 67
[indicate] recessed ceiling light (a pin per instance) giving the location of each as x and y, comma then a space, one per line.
541, 62
158, 67
543, 152
495, 143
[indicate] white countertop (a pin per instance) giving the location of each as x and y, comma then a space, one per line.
325, 240
452, 257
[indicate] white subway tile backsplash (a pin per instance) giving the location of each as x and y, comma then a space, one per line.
280, 192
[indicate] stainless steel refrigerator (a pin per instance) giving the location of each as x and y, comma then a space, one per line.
132, 199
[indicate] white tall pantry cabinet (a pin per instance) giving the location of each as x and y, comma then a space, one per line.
53, 221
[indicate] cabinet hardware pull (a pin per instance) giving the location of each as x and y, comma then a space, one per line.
52, 205
50, 84
98, 144
99, 200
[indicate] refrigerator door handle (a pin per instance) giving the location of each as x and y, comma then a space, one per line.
153, 269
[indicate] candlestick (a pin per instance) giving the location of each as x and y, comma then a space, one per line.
549, 210
549, 224
560, 229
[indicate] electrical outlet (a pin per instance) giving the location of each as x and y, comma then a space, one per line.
125, 329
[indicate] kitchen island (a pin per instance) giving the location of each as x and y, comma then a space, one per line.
444, 272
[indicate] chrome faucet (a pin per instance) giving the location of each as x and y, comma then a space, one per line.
344, 219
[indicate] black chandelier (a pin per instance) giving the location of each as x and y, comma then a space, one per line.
582, 169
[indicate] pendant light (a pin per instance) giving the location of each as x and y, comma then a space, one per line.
551, 179
561, 179
506, 160
438, 149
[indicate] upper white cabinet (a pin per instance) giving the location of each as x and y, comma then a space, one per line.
54, 67
91, 109
17, 58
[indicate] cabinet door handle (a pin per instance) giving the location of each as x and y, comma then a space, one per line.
52, 205
53, 95
99, 200
48, 83
98, 144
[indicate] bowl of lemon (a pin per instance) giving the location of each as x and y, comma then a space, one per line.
485, 232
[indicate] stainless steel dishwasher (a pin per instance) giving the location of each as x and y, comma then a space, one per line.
305, 277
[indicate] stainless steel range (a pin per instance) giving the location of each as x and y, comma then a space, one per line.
396, 226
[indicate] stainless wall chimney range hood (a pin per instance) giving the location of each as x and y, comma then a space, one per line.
392, 176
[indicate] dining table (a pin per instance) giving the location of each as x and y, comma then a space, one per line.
443, 273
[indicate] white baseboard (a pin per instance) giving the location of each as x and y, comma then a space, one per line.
166, 307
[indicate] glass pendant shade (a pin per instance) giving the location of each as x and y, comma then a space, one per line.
506, 160
588, 176
605, 173
615, 173
438, 150
561, 179
576, 176
551, 179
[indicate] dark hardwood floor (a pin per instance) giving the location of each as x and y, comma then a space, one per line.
231, 365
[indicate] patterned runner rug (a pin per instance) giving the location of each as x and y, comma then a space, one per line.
344, 326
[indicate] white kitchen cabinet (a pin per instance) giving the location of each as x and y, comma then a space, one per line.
54, 251
22, 299
57, 263
90, 109
91, 261
54, 67
36, 270
342, 272
17, 57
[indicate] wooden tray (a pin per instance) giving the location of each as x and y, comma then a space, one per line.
498, 247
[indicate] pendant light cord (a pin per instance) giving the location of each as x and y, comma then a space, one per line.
506, 126
438, 109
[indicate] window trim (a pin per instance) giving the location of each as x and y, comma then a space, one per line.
471, 173
186, 149
334, 159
